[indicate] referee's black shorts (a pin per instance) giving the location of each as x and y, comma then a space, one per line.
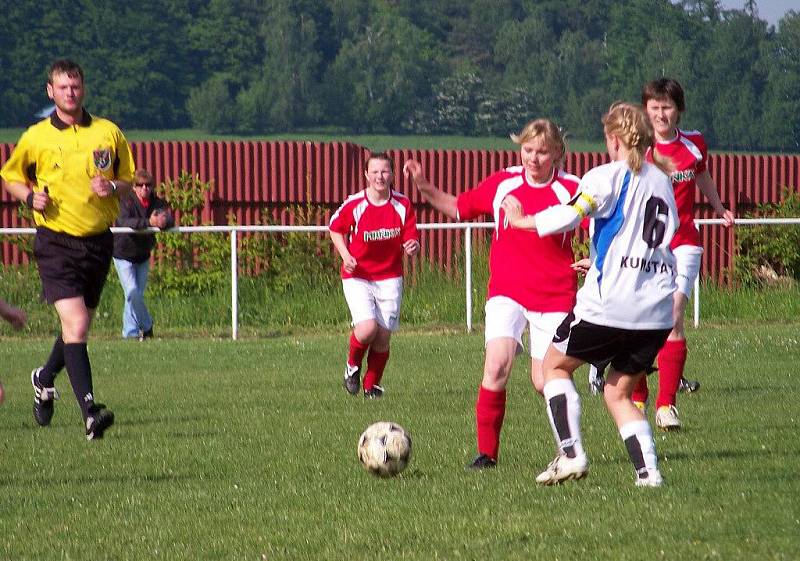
71, 266
627, 350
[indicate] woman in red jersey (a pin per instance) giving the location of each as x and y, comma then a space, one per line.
372, 230
663, 101
531, 282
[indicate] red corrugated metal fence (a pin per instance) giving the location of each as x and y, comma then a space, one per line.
252, 178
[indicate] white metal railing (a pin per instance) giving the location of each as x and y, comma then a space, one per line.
466, 226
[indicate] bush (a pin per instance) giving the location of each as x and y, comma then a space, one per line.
770, 254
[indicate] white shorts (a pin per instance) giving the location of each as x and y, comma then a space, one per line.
506, 318
687, 263
378, 300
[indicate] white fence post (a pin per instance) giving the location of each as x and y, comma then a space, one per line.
468, 274
234, 286
696, 298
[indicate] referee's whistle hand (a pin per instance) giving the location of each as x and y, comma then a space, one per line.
101, 186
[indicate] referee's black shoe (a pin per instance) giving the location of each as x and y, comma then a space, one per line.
42, 399
99, 419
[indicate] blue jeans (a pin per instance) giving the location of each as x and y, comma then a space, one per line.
133, 278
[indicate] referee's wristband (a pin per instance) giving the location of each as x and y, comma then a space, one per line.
29, 200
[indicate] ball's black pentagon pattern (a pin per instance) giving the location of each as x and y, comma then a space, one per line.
384, 449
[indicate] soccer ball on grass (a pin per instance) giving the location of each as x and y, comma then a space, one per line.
384, 449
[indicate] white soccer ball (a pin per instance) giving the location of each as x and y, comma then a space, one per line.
384, 449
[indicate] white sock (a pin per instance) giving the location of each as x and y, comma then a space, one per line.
640, 430
572, 401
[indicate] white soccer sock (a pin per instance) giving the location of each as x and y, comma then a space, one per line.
553, 390
644, 436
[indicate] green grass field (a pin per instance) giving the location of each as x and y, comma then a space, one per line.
247, 450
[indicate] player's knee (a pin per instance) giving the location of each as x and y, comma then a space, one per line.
75, 331
366, 331
496, 372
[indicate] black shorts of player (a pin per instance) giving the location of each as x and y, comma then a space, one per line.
71, 266
627, 350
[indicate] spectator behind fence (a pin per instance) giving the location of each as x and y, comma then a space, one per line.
139, 210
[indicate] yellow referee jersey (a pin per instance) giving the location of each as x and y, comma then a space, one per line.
63, 159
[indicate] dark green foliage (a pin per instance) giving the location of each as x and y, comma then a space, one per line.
474, 68
770, 254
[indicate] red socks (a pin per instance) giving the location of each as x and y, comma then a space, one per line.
490, 408
357, 351
376, 363
640, 392
671, 361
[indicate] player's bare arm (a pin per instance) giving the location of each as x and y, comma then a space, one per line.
706, 184
13, 315
36, 200
438, 199
515, 216
104, 187
340, 244
411, 247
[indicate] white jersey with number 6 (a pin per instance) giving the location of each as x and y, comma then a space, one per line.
632, 277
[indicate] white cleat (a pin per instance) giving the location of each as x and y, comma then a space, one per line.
653, 479
667, 418
563, 468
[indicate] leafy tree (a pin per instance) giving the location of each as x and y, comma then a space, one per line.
225, 38
736, 76
212, 107
782, 95
381, 74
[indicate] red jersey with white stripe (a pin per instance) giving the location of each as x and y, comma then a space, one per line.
531, 270
689, 154
375, 234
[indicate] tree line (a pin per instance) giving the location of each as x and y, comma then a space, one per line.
475, 67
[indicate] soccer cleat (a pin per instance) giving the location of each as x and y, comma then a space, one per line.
483, 462
352, 379
652, 478
563, 468
42, 399
641, 406
375, 392
667, 418
596, 380
146, 334
98, 421
688, 386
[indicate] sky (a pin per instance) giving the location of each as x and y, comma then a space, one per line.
769, 10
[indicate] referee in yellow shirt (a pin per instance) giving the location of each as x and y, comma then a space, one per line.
71, 169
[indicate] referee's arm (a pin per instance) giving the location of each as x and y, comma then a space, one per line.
22, 192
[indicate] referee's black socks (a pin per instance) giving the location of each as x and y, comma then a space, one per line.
76, 359
54, 364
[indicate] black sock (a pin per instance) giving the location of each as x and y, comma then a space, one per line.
54, 364
558, 407
635, 453
79, 370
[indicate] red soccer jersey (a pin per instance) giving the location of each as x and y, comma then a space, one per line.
689, 154
531, 270
375, 234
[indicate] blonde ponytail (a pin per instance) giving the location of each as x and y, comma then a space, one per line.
628, 122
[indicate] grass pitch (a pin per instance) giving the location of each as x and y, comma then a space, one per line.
247, 450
